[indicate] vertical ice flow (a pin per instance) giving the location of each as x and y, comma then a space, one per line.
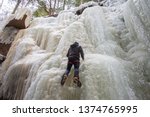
116, 45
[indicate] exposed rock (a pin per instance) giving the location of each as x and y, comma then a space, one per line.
21, 19
6, 38
10, 27
7, 35
54, 15
4, 48
2, 58
82, 7
20, 24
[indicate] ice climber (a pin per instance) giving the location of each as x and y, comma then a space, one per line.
73, 55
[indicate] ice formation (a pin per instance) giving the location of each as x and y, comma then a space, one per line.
19, 15
116, 45
112, 2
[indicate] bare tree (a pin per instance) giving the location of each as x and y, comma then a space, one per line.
64, 3
43, 4
17, 5
82, 1
69, 4
58, 3
1, 4
30, 1
54, 7
50, 8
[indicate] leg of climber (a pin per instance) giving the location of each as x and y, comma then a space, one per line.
76, 68
69, 65
76, 74
65, 75
76, 71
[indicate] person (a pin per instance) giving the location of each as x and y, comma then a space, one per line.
74, 53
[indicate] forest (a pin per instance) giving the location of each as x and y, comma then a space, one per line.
45, 7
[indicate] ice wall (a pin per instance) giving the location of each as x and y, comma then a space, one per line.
113, 66
113, 2
138, 24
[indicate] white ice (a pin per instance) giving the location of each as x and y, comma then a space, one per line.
116, 45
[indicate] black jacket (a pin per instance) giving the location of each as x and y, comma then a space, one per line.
75, 51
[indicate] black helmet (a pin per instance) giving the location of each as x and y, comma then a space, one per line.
76, 43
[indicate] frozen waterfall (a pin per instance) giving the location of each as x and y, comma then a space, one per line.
116, 43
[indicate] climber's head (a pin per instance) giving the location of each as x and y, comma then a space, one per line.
75, 44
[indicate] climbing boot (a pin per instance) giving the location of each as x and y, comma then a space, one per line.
77, 81
63, 80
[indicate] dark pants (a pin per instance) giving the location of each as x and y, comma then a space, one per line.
76, 64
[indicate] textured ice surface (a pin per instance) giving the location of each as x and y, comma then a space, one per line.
116, 45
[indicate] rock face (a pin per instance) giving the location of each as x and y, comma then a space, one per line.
2, 58
21, 19
6, 38
8, 31
18, 23
4, 48
10, 28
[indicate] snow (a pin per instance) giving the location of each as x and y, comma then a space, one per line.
114, 2
116, 47
7, 34
6, 9
9, 5
139, 27
87, 4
